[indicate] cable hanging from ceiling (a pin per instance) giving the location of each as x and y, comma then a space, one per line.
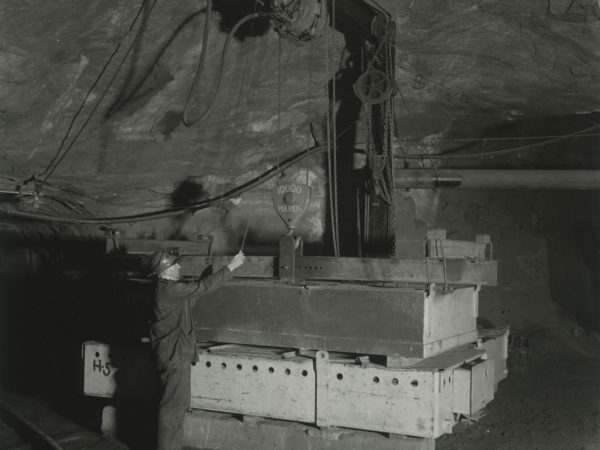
232, 193
279, 76
331, 142
189, 101
285, 18
41, 179
220, 210
309, 106
331, 136
176, 211
186, 119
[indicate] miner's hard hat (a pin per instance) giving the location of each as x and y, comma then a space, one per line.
161, 260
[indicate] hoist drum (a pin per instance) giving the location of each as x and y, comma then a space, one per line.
301, 19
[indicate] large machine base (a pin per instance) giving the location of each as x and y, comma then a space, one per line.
423, 398
204, 429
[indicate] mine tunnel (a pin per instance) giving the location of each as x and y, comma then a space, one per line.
300, 224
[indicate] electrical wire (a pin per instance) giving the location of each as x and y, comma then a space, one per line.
329, 163
514, 138
309, 95
124, 97
255, 182
410, 114
176, 211
277, 137
334, 131
309, 151
504, 151
244, 84
187, 121
235, 192
55, 161
89, 92
218, 219
416, 128
133, 66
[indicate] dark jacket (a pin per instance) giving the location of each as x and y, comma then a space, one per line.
172, 334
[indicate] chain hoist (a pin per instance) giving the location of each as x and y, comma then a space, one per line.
376, 84
376, 87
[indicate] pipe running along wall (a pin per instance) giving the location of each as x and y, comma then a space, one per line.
497, 179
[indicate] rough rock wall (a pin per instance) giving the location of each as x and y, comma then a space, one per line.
547, 269
135, 155
460, 67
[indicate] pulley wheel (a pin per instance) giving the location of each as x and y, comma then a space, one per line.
373, 87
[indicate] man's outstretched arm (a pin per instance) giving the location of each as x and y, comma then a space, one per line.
217, 279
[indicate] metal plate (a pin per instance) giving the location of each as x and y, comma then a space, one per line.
458, 272
345, 318
122, 372
495, 344
414, 403
450, 319
354, 319
264, 385
473, 387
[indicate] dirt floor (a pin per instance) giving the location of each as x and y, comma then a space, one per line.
550, 400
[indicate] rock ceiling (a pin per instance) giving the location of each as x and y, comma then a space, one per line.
115, 88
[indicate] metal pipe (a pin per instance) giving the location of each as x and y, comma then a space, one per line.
497, 179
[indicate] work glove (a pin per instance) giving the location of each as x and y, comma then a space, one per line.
236, 261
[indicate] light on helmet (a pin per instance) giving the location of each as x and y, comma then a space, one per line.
161, 260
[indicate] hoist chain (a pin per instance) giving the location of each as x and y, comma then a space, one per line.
388, 131
370, 139
385, 153
380, 130
389, 172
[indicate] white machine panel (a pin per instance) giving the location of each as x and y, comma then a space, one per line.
120, 372
421, 400
473, 387
259, 383
414, 403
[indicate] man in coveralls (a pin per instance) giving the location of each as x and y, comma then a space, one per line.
173, 339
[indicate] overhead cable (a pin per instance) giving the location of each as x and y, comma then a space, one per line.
53, 164
175, 211
187, 121
237, 191
516, 138
504, 151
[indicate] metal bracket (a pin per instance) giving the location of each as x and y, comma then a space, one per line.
321, 370
112, 240
289, 248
